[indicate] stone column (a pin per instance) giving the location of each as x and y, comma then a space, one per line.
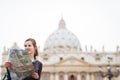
87, 76
56, 76
78, 76
92, 76
52, 76
66, 76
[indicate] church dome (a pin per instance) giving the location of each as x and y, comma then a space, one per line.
61, 38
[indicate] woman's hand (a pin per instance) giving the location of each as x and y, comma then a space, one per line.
35, 75
8, 64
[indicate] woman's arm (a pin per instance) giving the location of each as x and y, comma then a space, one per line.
40, 70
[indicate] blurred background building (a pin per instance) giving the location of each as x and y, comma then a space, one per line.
64, 59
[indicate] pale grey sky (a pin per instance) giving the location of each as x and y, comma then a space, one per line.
94, 22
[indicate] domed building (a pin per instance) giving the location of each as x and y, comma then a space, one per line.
64, 59
62, 40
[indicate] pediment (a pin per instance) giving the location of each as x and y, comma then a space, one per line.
72, 61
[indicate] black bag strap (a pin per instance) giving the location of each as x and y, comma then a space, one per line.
7, 75
4, 77
8, 72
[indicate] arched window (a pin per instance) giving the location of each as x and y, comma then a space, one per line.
82, 77
46, 77
61, 77
98, 77
72, 77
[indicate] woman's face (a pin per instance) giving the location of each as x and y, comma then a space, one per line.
29, 47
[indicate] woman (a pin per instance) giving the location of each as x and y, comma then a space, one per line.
31, 47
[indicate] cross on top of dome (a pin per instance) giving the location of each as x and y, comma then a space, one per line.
62, 24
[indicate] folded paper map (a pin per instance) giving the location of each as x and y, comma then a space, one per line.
21, 64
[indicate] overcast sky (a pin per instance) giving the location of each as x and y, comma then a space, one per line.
94, 22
